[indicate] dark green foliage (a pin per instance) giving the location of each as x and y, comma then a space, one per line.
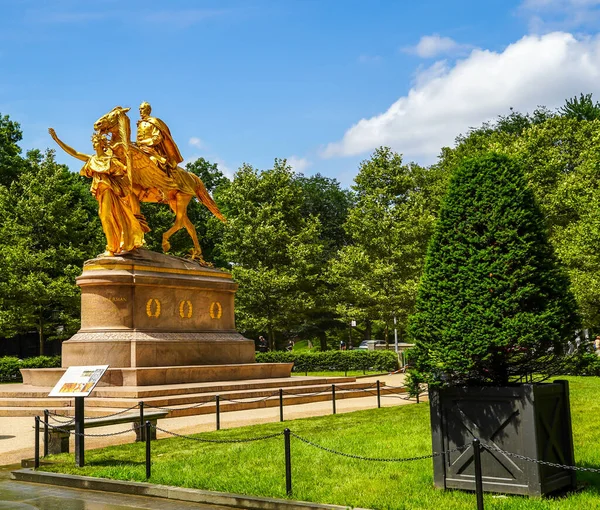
48, 227
386, 361
583, 108
325, 199
9, 366
587, 363
11, 162
493, 303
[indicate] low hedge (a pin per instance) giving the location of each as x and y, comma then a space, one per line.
9, 366
583, 364
359, 359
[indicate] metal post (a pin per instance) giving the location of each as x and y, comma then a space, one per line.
395, 335
280, 404
79, 431
288, 462
218, 411
378, 395
333, 396
478, 474
46, 436
142, 429
148, 445
36, 456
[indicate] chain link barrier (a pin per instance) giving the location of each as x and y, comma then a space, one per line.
135, 427
204, 440
56, 416
262, 399
378, 459
63, 422
122, 411
493, 448
195, 406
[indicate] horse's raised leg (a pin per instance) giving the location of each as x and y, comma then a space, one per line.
197, 251
179, 207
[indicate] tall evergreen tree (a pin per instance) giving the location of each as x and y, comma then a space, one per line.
493, 302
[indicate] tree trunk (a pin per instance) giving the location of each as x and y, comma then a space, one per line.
271, 337
368, 329
41, 333
322, 340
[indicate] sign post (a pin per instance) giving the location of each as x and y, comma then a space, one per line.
78, 382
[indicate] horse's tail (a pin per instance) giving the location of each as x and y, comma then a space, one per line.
207, 200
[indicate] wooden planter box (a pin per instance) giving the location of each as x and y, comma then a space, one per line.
533, 420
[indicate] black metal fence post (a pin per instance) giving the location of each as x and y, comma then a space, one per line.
36, 455
280, 404
218, 411
288, 462
333, 397
46, 436
142, 429
378, 395
79, 432
148, 436
478, 474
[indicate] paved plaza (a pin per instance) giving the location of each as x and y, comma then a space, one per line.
23, 496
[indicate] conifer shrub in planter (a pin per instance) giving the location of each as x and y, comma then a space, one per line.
494, 314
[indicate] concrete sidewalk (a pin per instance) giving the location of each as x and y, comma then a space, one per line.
17, 434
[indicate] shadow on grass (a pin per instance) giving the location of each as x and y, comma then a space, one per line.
586, 483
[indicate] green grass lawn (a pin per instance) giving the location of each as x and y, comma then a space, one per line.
258, 468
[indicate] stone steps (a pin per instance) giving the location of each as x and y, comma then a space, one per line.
235, 397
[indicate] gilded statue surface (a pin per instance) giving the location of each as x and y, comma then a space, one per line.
154, 138
125, 173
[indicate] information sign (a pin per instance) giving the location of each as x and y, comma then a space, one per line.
78, 381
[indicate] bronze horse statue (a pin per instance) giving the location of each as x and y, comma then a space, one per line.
152, 184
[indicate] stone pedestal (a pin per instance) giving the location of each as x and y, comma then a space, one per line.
146, 309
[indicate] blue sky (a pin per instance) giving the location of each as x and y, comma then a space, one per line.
320, 82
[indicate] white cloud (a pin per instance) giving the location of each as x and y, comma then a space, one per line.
298, 164
227, 171
194, 141
446, 101
435, 45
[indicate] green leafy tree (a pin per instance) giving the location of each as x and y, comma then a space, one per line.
273, 248
583, 108
324, 198
160, 218
493, 302
389, 225
11, 162
48, 228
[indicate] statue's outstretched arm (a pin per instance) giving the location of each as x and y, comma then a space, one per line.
69, 150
